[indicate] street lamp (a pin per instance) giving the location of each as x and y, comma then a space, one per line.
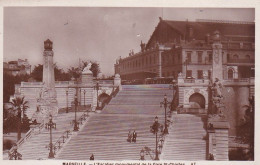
155, 129
67, 109
50, 125
76, 107
165, 102
84, 92
97, 88
142, 154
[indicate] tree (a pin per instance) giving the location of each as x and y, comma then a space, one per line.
74, 72
9, 84
94, 67
246, 129
37, 72
59, 74
20, 105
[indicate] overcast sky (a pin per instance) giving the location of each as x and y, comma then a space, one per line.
90, 33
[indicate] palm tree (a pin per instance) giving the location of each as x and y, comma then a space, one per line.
20, 105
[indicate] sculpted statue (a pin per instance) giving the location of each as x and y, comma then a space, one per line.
217, 98
217, 87
87, 68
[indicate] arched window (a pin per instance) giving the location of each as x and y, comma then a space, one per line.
230, 73
235, 56
247, 56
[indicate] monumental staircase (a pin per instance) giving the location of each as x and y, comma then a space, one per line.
105, 134
36, 145
186, 139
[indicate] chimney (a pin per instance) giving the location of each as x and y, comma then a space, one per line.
207, 38
142, 46
190, 33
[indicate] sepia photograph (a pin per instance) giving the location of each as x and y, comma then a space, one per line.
128, 83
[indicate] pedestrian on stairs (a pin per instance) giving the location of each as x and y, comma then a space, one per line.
134, 136
91, 157
129, 139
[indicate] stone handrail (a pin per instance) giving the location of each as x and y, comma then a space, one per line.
62, 139
241, 60
25, 138
104, 82
113, 94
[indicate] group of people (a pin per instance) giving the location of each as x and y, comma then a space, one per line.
132, 137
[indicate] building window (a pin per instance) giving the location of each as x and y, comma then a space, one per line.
228, 57
247, 57
188, 57
209, 74
189, 73
200, 74
230, 73
199, 57
179, 58
173, 59
210, 56
235, 56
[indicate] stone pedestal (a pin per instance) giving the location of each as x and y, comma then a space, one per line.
218, 139
117, 81
87, 78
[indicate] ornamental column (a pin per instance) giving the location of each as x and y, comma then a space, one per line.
48, 70
217, 70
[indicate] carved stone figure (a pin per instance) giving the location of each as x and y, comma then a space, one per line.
217, 100
87, 68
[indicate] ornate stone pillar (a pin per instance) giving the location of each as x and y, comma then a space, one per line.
217, 70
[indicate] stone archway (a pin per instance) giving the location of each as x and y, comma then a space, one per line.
197, 100
188, 92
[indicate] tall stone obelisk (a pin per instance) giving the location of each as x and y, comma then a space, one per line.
48, 100
218, 120
48, 69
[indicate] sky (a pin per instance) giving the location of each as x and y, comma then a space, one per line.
93, 33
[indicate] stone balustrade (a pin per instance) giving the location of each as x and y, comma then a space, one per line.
218, 140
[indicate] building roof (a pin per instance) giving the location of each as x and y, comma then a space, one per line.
202, 28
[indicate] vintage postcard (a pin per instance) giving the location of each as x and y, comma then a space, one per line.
129, 84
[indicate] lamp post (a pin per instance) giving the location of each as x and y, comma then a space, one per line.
51, 125
97, 88
142, 154
165, 102
155, 129
76, 107
67, 109
84, 92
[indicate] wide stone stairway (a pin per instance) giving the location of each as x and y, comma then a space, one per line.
105, 134
37, 146
186, 139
